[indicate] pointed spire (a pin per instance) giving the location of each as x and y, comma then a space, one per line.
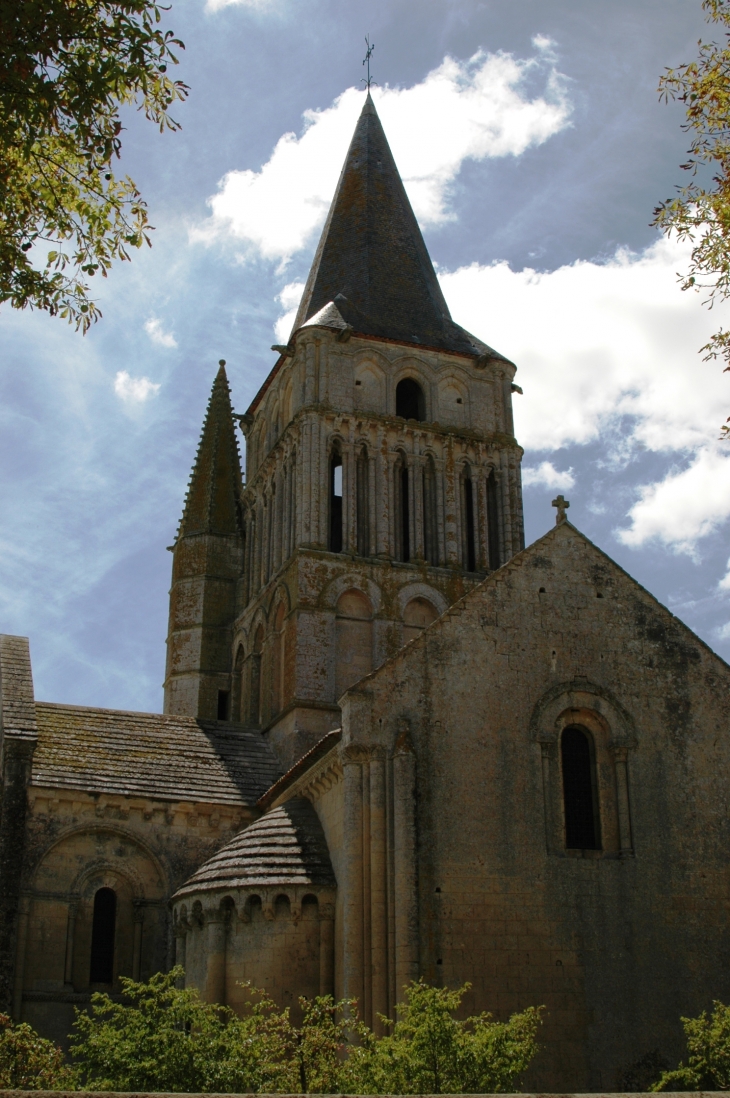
372, 261
214, 491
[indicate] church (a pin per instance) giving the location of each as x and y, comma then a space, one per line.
396, 743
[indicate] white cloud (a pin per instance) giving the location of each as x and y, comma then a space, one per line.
613, 346
257, 5
134, 390
466, 110
724, 584
289, 299
685, 506
157, 333
545, 475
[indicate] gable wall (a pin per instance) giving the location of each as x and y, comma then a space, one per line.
617, 947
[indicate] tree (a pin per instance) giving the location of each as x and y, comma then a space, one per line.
29, 1062
67, 68
708, 1062
430, 1052
700, 211
164, 1038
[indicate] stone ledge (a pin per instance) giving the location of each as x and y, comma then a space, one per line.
162, 1094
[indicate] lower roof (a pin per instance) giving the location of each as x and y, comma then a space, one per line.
170, 758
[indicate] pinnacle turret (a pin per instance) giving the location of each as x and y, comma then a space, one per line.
214, 492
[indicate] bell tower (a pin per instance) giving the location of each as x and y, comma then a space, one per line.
383, 476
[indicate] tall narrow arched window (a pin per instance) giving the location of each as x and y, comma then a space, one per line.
102, 937
362, 476
409, 400
493, 521
402, 509
582, 830
468, 541
430, 521
278, 660
336, 502
254, 680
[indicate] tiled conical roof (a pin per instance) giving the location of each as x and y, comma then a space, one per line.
214, 491
285, 847
372, 263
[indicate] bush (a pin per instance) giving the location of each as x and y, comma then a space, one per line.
164, 1038
430, 1052
708, 1062
29, 1062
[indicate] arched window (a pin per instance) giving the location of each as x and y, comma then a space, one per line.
402, 510
354, 639
417, 615
363, 503
582, 831
493, 521
469, 559
254, 693
409, 400
430, 522
336, 502
278, 660
102, 937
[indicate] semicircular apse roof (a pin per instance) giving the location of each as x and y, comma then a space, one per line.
285, 847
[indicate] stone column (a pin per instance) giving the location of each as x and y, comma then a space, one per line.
451, 539
137, 949
378, 891
405, 869
551, 791
352, 984
215, 970
372, 504
181, 942
327, 949
23, 913
68, 968
418, 542
367, 968
620, 754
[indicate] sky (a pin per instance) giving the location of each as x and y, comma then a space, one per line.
534, 148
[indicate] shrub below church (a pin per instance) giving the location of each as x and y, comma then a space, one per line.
708, 1060
164, 1038
30, 1062
431, 1052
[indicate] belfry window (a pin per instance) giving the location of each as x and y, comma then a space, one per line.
467, 522
363, 503
493, 521
409, 400
582, 830
430, 521
336, 502
102, 937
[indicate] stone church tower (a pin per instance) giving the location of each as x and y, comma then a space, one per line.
383, 480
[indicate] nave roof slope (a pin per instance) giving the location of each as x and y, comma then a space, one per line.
155, 755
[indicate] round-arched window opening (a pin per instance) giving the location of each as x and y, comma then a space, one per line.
582, 830
102, 937
409, 400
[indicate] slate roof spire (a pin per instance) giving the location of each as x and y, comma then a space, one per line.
371, 263
215, 487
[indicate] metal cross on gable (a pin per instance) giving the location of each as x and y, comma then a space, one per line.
562, 505
366, 61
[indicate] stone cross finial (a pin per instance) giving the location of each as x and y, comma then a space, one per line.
562, 505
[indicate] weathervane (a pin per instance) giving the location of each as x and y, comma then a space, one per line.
366, 61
